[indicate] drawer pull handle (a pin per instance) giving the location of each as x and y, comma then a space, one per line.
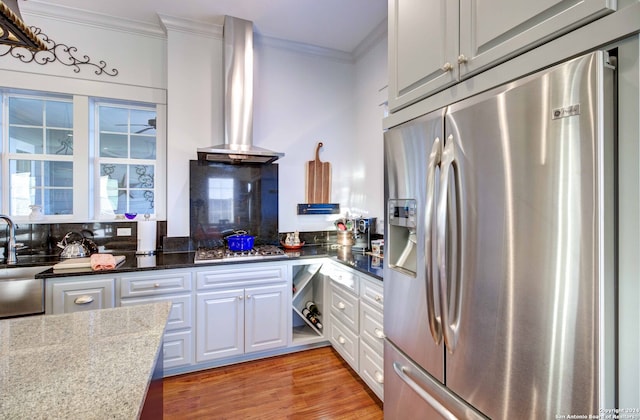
379, 377
83, 300
378, 298
341, 340
341, 305
378, 332
156, 285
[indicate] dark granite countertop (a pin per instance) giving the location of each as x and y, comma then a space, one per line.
364, 263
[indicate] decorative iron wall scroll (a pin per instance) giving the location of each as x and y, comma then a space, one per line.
62, 53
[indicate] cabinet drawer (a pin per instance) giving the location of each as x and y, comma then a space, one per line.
344, 341
345, 278
76, 296
177, 349
155, 284
180, 316
344, 306
248, 276
371, 291
371, 326
372, 368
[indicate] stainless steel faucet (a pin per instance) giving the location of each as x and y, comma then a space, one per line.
12, 249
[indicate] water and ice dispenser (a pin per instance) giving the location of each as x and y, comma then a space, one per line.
401, 242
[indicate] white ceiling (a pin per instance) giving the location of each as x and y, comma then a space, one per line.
335, 24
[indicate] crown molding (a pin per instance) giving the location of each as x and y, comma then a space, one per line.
302, 48
173, 23
376, 35
84, 17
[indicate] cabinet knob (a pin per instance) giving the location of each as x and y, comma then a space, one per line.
379, 377
83, 300
378, 332
341, 340
462, 59
446, 67
156, 285
341, 305
240, 297
378, 298
248, 296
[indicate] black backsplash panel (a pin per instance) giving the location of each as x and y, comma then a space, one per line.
224, 198
42, 238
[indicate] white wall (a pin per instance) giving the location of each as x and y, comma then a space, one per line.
300, 100
303, 95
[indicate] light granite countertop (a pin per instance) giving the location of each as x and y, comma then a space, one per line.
84, 365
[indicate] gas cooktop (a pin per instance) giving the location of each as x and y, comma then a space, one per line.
224, 254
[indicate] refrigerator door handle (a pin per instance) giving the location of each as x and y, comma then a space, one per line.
403, 373
448, 272
433, 312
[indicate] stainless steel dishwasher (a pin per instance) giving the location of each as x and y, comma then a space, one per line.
21, 293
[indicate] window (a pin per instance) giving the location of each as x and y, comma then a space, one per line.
126, 158
39, 154
78, 158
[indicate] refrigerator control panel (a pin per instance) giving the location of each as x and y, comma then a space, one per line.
402, 213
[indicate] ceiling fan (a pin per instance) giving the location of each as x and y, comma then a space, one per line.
151, 124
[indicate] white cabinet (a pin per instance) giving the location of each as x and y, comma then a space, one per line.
241, 310
65, 296
435, 43
356, 303
372, 334
308, 286
172, 286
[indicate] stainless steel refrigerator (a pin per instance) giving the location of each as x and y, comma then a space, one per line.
499, 267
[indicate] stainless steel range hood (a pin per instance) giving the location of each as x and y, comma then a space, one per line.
238, 100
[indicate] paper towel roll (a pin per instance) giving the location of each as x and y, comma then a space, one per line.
146, 237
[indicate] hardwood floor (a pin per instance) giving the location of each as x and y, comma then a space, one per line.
313, 384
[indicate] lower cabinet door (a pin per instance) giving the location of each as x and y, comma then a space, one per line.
265, 313
76, 296
177, 349
344, 341
219, 324
372, 368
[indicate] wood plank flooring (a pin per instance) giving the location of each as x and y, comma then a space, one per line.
312, 384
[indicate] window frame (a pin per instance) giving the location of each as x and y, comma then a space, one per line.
85, 195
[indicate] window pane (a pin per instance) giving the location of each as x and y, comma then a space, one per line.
59, 114
22, 170
113, 119
143, 121
58, 174
141, 176
23, 111
113, 145
58, 201
23, 183
143, 147
59, 142
115, 173
141, 201
25, 140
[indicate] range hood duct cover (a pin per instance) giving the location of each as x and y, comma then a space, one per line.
238, 100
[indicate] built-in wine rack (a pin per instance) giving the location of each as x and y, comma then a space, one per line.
308, 286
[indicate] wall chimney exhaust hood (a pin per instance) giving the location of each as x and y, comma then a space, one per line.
238, 100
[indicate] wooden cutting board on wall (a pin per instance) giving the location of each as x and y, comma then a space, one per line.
318, 179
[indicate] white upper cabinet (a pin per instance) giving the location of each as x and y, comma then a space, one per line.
434, 44
423, 45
